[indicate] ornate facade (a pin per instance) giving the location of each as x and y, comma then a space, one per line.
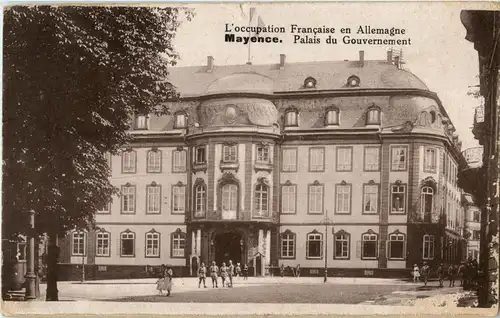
255, 160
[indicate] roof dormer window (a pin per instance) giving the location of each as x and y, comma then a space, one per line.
291, 117
141, 122
180, 120
373, 115
353, 81
310, 82
332, 116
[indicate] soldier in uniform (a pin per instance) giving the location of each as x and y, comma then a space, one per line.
425, 270
440, 273
230, 273
202, 274
223, 273
214, 269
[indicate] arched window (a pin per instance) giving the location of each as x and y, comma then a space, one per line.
426, 202
369, 247
332, 116
341, 245
373, 116
288, 244
396, 246
428, 247
229, 201
261, 207
178, 244
291, 117
152, 244
314, 245
200, 200
127, 244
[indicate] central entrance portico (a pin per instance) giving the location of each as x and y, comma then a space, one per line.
228, 245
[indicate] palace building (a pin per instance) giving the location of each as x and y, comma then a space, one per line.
286, 163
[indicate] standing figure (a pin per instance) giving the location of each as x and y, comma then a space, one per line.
461, 273
169, 274
160, 285
230, 273
440, 273
416, 273
282, 270
223, 273
452, 272
424, 272
245, 272
238, 270
214, 269
297, 270
202, 274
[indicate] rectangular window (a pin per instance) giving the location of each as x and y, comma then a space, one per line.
263, 154
102, 244
370, 200
127, 244
372, 158
428, 247
178, 245
396, 248
316, 159
128, 161
128, 199
141, 122
78, 243
105, 209
344, 158
179, 161
398, 201
315, 199
343, 199
153, 203
178, 199
154, 161
398, 158
369, 248
314, 247
229, 153
288, 246
153, 244
476, 235
476, 216
430, 159
289, 157
341, 246
288, 199
201, 156
200, 197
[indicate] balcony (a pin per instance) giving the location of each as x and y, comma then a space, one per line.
471, 178
235, 217
479, 125
473, 157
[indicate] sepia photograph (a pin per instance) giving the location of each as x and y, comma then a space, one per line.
228, 159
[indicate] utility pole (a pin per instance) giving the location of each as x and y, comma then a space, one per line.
327, 221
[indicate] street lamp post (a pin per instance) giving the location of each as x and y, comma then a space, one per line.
30, 270
327, 221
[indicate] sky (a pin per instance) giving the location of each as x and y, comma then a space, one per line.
439, 55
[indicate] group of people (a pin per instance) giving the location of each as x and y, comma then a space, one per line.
466, 272
226, 274
164, 282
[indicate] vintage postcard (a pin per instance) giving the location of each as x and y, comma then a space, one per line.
251, 159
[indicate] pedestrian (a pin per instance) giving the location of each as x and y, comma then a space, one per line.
160, 285
245, 272
169, 274
461, 273
230, 273
440, 273
297, 269
424, 272
214, 269
238, 270
416, 273
202, 274
223, 273
452, 272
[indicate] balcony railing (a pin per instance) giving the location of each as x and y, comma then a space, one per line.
479, 115
473, 157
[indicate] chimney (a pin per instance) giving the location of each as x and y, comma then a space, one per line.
362, 58
396, 61
282, 60
210, 63
389, 56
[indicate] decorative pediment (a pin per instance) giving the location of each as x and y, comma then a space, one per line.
343, 182
316, 183
430, 182
229, 143
101, 230
263, 180
370, 231
341, 232
398, 182
153, 184
371, 182
154, 149
373, 106
287, 183
179, 184
127, 231
396, 232
199, 181
314, 232
262, 144
178, 231
287, 232
228, 177
128, 184
153, 231
292, 109
179, 148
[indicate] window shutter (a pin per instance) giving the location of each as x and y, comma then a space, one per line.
358, 249
377, 248
307, 248
388, 249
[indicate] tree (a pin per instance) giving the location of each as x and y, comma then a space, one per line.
73, 76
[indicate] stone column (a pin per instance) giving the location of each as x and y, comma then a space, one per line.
193, 243
198, 243
268, 248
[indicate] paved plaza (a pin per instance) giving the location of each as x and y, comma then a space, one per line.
337, 290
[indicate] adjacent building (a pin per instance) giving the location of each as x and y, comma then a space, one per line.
255, 161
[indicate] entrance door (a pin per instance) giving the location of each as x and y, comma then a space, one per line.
228, 247
194, 266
